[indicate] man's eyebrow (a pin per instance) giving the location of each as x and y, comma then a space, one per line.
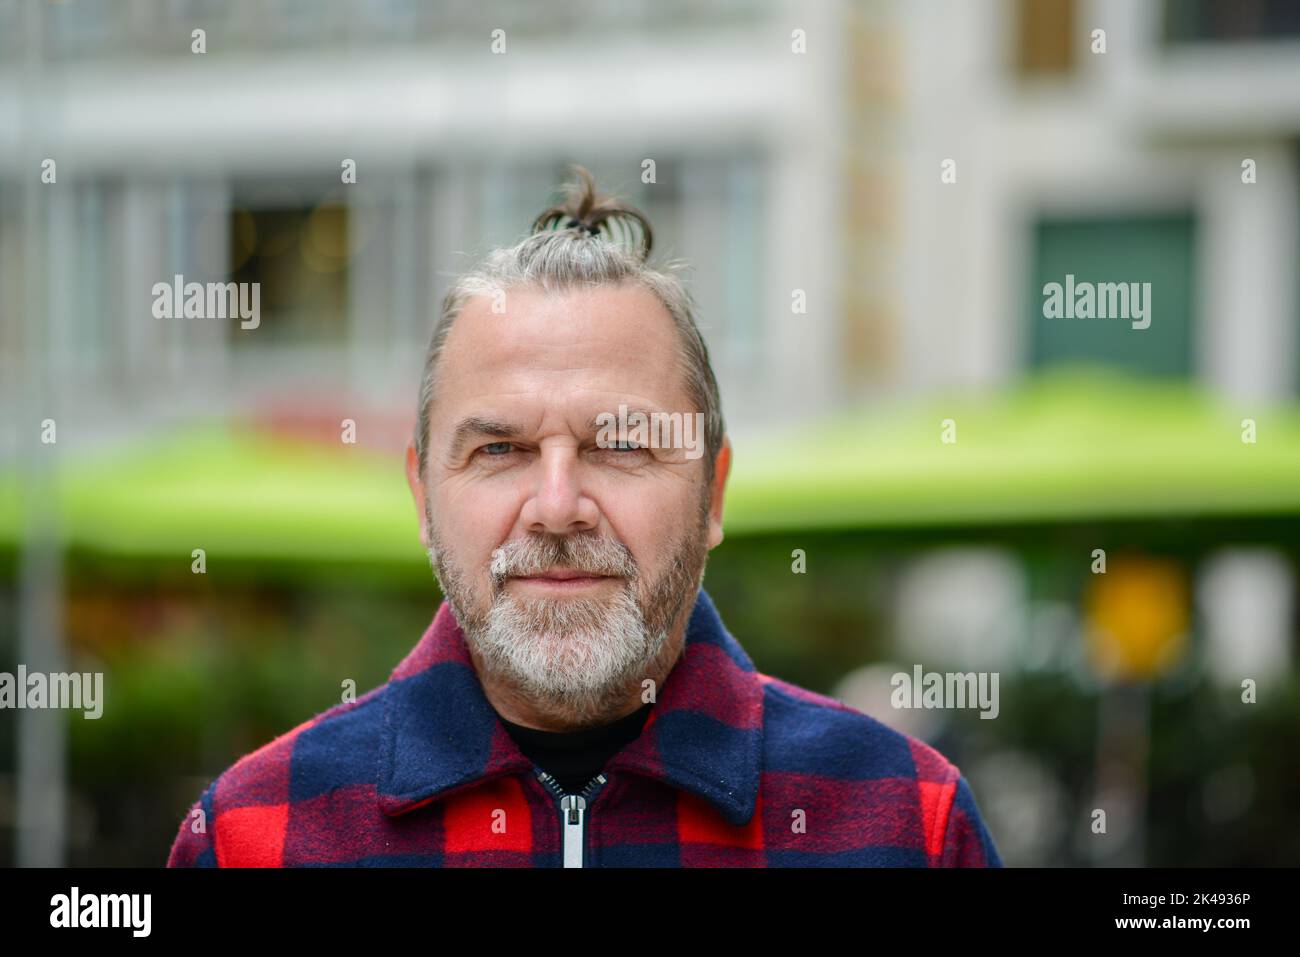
475, 425
595, 424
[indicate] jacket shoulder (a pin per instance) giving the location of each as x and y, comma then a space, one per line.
872, 770
244, 811
843, 741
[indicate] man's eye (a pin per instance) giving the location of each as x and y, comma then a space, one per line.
623, 453
502, 448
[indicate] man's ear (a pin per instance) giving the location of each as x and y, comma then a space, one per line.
721, 468
417, 490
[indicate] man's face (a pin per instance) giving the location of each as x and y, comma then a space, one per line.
517, 489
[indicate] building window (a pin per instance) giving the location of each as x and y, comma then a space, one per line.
1045, 38
1190, 21
299, 257
1154, 252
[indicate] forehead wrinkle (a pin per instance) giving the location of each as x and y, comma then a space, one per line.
564, 331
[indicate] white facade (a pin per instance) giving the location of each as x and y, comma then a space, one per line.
456, 149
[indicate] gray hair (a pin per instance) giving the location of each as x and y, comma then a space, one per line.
558, 258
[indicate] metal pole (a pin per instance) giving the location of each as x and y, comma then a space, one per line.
41, 748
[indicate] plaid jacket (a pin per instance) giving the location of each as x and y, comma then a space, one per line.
733, 768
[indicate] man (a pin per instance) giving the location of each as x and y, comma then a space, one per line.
577, 700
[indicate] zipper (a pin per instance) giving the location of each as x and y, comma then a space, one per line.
573, 812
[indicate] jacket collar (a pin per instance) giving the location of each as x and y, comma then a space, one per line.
704, 733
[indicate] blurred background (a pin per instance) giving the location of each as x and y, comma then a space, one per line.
872, 194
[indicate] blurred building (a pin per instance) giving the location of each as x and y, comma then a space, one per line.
1113, 140
1126, 163
229, 165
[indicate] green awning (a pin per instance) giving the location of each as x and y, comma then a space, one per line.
1068, 447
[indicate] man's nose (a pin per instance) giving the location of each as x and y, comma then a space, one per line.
558, 503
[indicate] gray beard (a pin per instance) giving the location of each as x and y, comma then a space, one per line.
579, 656
578, 659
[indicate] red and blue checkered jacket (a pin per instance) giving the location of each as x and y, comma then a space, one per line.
733, 768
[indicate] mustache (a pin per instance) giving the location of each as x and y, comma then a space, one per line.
538, 554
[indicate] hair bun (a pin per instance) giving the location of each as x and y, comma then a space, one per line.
587, 210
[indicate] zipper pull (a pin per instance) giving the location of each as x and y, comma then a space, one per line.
573, 809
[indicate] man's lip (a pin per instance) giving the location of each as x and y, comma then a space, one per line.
563, 575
